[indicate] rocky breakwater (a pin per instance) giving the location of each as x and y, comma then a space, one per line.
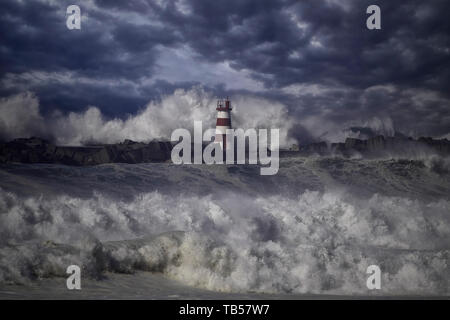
378, 146
37, 150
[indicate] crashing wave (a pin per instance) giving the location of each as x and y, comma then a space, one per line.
318, 242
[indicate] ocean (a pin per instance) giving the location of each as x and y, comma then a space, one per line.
165, 231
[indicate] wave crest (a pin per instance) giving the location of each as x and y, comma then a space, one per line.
320, 242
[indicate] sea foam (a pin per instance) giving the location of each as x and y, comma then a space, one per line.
316, 242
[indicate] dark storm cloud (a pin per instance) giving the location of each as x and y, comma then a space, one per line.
36, 40
262, 36
315, 56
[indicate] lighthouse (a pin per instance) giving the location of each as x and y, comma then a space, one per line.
223, 121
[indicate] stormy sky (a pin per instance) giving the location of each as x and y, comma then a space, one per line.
315, 58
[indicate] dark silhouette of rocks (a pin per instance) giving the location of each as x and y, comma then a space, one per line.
37, 150
377, 146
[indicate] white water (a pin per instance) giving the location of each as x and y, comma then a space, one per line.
312, 229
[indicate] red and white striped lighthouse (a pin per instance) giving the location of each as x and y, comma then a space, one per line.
223, 121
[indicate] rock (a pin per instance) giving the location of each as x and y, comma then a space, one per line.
380, 146
376, 143
356, 144
36, 150
320, 148
442, 145
27, 150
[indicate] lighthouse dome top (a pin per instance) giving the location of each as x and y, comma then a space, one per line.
224, 105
